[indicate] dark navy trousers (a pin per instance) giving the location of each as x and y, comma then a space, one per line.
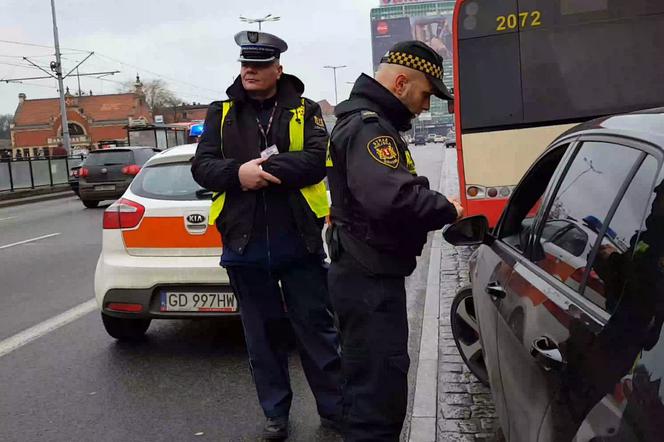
268, 312
374, 342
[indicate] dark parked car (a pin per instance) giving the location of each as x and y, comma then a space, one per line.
419, 140
105, 174
564, 313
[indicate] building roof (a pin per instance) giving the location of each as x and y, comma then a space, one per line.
98, 107
326, 108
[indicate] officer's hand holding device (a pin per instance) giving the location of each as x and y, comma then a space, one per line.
253, 177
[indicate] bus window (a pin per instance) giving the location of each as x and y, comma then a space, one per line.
529, 70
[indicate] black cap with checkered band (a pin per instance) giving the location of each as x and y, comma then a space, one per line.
417, 55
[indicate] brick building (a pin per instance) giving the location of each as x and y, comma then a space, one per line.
94, 120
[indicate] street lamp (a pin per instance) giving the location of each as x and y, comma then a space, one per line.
260, 21
334, 69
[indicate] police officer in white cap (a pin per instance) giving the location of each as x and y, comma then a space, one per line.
270, 204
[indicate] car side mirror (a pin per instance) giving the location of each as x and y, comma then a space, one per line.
469, 231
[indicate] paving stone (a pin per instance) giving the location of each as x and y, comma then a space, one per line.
455, 411
456, 437
452, 368
485, 410
451, 387
460, 426
478, 388
482, 399
458, 399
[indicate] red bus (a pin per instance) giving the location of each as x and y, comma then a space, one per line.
525, 71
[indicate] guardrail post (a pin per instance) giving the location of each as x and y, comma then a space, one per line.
11, 177
32, 176
50, 172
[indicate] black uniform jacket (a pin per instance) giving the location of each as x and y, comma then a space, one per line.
382, 208
277, 208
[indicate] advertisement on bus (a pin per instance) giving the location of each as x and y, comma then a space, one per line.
436, 31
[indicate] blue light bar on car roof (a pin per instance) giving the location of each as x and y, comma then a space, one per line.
196, 130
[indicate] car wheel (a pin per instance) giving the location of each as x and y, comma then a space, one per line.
90, 204
124, 329
465, 331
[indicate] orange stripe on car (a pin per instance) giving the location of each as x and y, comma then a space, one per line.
169, 232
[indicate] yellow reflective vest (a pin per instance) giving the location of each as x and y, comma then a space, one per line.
315, 195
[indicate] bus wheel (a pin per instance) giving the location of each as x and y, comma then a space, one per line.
465, 331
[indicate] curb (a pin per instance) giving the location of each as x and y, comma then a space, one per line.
425, 403
36, 199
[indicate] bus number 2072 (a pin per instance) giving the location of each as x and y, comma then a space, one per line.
519, 21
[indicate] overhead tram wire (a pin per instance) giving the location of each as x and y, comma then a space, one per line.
21, 43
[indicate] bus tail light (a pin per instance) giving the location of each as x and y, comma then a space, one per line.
492, 192
123, 214
474, 192
505, 192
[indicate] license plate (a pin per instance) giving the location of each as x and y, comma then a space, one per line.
106, 187
198, 302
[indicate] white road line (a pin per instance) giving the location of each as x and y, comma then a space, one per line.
7, 219
26, 336
28, 240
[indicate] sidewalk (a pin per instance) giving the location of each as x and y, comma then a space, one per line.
25, 196
450, 404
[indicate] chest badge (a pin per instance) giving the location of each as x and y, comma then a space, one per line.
385, 151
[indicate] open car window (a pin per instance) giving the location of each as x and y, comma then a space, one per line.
519, 217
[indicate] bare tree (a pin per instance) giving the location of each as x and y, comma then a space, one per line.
5, 120
157, 94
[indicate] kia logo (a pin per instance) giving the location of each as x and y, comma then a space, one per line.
195, 218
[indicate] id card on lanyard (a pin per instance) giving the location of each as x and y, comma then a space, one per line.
265, 132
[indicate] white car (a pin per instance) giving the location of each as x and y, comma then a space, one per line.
160, 257
439, 139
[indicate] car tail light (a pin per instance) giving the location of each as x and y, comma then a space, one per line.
131, 170
123, 214
83, 172
124, 307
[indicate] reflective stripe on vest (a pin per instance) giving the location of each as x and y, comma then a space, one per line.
315, 195
218, 199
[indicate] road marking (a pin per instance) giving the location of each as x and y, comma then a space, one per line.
26, 336
29, 240
7, 219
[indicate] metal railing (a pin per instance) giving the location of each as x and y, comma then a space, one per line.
34, 172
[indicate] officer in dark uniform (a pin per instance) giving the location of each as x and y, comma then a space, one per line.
262, 153
381, 213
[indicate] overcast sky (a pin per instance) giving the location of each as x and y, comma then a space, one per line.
190, 47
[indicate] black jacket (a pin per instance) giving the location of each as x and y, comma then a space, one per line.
243, 219
382, 208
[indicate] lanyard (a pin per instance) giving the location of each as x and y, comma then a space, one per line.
265, 132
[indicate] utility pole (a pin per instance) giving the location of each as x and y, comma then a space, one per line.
334, 69
57, 68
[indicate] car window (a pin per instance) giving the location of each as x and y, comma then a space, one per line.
581, 204
520, 213
109, 158
610, 269
143, 155
167, 182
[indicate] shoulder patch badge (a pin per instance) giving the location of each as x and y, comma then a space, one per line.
384, 150
318, 121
